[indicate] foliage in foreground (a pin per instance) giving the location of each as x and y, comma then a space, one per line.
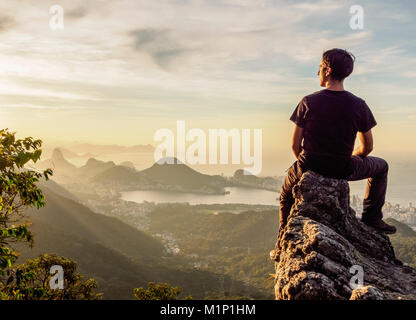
19, 191
158, 291
32, 281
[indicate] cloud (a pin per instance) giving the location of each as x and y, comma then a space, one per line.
6, 23
246, 3
409, 74
37, 106
76, 13
317, 7
392, 59
219, 52
161, 44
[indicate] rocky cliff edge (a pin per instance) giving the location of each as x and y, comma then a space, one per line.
326, 252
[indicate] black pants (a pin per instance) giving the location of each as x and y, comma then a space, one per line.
371, 168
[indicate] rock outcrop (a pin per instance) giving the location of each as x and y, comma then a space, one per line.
325, 250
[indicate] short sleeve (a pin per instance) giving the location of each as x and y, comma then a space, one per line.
299, 115
367, 120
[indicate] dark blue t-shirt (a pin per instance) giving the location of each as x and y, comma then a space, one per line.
330, 121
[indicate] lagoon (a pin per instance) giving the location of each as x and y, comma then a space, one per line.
236, 195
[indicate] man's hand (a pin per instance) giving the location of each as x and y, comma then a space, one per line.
366, 139
297, 138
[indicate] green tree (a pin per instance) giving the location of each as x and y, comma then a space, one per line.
158, 291
18, 190
31, 281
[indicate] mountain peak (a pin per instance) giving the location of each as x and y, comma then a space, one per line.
323, 246
168, 160
59, 161
242, 173
57, 154
92, 161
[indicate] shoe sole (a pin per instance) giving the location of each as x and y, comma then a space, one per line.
387, 232
381, 230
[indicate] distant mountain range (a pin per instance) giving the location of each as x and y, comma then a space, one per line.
94, 167
166, 174
68, 154
163, 176
160, 176
66, 172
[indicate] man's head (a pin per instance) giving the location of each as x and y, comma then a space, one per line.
336, 65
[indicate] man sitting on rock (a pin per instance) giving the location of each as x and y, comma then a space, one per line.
328, 121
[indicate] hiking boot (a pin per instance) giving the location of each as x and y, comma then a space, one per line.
381, 226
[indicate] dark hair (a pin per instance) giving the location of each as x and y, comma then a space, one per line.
340, 61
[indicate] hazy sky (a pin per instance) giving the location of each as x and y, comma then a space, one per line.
121, 69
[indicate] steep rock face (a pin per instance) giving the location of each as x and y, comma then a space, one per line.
60, 163
323, 248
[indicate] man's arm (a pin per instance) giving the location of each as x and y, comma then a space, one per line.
366, 139
297, 138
